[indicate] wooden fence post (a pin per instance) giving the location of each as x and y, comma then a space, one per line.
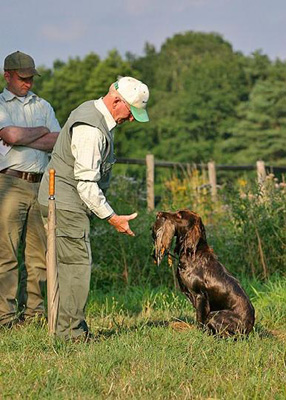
261, 176
261, 172
150, 173
212, 179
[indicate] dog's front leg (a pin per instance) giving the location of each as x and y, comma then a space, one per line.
202, 307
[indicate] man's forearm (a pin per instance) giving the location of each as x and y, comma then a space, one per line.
20, 136
46, 142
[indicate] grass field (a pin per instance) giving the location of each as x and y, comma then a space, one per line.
149, 348
148, 345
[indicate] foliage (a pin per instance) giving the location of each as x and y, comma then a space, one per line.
66, 88
190, 190
261, 128
2, 82
207, 101
245, 226
106, 72
119, 260
197, 80
252, 238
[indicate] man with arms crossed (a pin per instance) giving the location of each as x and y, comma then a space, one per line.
28, 130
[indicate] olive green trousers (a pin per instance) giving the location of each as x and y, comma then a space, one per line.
21, 227
74, 271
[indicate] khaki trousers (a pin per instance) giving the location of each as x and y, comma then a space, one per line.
21, 226
74, 270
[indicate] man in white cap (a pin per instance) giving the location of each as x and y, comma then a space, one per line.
82, 158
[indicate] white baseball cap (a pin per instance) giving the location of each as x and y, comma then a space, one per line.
136, 94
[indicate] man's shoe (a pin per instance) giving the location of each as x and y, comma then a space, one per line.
15, 323
7, 325
84, 338
39, 320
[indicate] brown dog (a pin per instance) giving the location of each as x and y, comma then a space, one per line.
221, 304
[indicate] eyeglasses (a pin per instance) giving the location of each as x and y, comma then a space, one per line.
127, 106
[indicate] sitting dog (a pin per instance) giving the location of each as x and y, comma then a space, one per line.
221, 304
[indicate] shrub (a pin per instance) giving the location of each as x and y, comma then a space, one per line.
253, 230
120, 260
245, 226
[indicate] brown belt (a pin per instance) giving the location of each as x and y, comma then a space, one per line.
27, 176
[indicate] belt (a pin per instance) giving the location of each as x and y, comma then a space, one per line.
27, 176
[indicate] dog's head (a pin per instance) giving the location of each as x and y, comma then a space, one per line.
186, 225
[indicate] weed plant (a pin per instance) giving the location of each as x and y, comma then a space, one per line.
191, 190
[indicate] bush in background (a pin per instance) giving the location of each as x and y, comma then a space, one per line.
120, 260
245, 227
251, 237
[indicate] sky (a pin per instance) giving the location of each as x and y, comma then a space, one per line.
62, 29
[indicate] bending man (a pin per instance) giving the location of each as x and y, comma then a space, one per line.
82, 158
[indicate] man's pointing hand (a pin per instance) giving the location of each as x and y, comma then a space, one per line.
121, 223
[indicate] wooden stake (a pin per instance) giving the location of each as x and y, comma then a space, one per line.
150, 169
212, 179
51, 258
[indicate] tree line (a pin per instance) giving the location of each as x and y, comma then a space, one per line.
207, 101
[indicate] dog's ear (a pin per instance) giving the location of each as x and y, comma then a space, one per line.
163, 236
195, 234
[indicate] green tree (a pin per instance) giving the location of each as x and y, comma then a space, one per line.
2, 82
66, 87
199, 81
206, 100
106, 72
40, 81
260, 132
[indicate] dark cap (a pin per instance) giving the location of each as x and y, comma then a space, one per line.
21, 62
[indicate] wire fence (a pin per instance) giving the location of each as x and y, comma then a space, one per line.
151, 164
